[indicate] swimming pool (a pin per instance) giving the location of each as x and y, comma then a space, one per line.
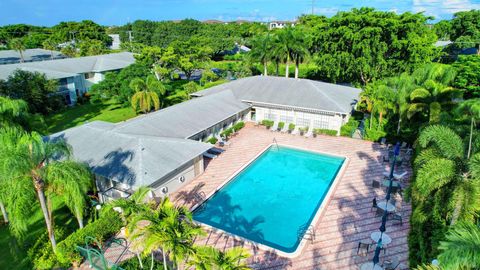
270, 200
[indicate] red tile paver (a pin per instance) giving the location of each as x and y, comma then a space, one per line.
347, 218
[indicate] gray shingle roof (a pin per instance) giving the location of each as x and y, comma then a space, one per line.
136, 160
187, 118
62, 68
29, 55
301, 93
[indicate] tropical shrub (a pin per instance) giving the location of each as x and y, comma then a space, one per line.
303, 130
134, 264
227, 132
101, 229
349, 127
41, 253
329, 132
212, 140
281, 125
267, 123
238, 126
376, 132
291, 127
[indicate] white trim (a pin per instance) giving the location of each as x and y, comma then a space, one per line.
292, 107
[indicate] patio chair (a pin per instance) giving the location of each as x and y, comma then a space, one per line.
375, 184
363, 248
396, 216
386, 159
308, 134
374, 204
274, 127
391, 264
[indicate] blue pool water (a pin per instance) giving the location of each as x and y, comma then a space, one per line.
271, 199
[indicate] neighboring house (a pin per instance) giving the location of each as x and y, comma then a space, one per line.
29, 55
280, 24
115, 41
75, 75
164, 149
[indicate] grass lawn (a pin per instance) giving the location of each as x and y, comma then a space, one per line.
13, 254
77, 115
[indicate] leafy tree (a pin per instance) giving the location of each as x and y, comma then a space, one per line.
468, 77
80, 31
31, 166
69, 51
443, 29
92, 47
147, 94
471, 108
433, 92
17, 45
466, 29
50, 45
460, 250
209, 258
35, 89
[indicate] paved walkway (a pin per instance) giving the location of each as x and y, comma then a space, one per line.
347, 218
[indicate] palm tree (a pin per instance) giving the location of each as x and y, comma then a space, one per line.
471, 108
378, 97
17, 45
32, 168
433, 92
442, 166
169, 228
299, 51
401, 87
461, 248
285, 46
147, 94
209, 258
132, 205
50, 45
261, 51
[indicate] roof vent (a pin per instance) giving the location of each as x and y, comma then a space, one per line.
182, 179
164, 190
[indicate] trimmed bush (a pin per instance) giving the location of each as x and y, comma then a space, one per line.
267, 123
103, 228
227, 132
303, 130
329, 132
349, 127
41, 253
280, 125
212, 140
238, 126
291, 127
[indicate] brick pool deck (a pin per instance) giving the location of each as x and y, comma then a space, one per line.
347, 218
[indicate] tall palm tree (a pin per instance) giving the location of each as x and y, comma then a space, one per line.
378, 97
209, 258
147, 94
433, 91
471, 108
442, 166
32, 167
461, 248
17, 45
50, 45
401, 87
285, 46
299, 50
261, 51
168, 228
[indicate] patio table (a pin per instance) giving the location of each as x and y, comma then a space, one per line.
386, 183
386, 206
386, 239
370, 266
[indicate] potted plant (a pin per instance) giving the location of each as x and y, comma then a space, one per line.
267, 123
280, 126
316, 132
303, 130
291, 127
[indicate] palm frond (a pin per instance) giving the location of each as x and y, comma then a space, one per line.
434, 174
446, 140
460, 250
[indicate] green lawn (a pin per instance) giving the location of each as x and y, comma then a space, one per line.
13, 254
74, 116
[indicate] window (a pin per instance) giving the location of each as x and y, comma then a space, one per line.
321, 121
271, 116
286, 119
303, 122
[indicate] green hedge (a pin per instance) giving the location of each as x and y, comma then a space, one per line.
329, 132
238, 126
41, 253
212, 140
349, 127
103, 228
267, 123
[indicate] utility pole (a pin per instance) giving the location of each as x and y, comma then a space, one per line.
313, 7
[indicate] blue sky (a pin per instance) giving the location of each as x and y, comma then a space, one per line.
50, 12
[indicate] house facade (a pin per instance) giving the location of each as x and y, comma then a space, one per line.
75, 75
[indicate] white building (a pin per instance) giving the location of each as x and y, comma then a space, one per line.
164, 149
280, 24
75, 75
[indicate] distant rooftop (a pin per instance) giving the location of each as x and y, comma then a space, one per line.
29, 55
69, 67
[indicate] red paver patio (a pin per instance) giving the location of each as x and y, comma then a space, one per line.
347, 218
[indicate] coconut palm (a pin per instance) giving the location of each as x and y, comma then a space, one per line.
378, 97
17, 45
32, 168
299, 50
401, 87
461, 248
50, 45
442, 166
147, 93
285, 46
471, 108
132, 205
433, 92
168, 228
261, 51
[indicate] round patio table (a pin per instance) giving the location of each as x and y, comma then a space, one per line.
385, 238
370, 266
386, 183
386, 206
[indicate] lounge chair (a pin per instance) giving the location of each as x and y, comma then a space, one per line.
208, 155
216, 151
396, 176
295, 131
274, 127
308, 134
391, 264
221, 142
285, 129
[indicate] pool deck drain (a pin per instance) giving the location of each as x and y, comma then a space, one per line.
347, 218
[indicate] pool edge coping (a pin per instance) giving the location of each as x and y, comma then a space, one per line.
318, 214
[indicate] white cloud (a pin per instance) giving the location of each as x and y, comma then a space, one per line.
441, 8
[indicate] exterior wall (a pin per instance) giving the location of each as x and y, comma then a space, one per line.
178, 178
219, 127
301, 118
